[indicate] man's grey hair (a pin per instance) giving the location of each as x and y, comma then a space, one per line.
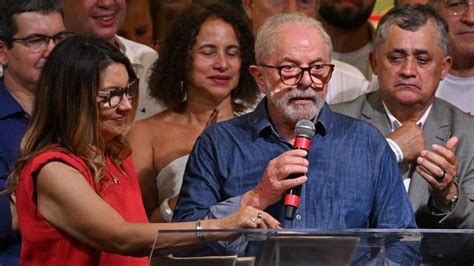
411, 17
265, 44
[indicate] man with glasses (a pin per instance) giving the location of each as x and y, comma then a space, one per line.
29, 30
458, 87
431, 138
347, 81
351, 177
103, 19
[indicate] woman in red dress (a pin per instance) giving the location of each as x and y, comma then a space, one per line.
77, 195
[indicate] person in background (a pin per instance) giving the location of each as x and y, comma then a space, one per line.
347, 22
347, 82
201, 77
138, 25
103, 19
75, 162
431, 138
163, 13
29, 30
458, 87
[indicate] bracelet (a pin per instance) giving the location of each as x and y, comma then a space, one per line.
166, 211
199, 233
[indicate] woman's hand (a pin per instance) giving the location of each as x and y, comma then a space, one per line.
246, 217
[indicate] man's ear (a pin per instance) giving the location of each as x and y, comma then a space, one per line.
258, 76
373, 62
447, 63
3, 53
248, 6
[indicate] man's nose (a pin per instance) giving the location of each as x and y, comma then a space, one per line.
468, 16
408, 68
49, 47
291, 6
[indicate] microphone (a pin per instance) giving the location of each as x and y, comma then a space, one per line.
304, 130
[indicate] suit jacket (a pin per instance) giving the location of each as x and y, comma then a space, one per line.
444, 121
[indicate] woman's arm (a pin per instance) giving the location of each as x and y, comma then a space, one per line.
69, 203
140, 139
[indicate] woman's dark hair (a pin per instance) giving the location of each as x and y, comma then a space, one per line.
169, 71
66, 111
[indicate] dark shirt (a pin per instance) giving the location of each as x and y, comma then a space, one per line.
353, 178
13, 122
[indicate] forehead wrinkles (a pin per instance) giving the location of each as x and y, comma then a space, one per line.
296, 38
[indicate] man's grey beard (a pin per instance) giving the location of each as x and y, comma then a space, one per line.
294, 113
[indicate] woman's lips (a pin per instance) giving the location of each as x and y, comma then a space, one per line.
220, 79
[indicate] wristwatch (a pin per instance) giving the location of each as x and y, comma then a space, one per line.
449, 208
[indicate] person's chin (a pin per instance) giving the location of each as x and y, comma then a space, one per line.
106, 33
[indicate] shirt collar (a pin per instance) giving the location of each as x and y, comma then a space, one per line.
395, 123
263, 126
9, 105
130, 53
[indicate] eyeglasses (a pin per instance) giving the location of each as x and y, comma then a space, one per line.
114, 96
39, 42
291, 75
457, 7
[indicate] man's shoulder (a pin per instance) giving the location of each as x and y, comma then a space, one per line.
233, 126
344, 124
9, 106
453, 114
351, 108
137, 52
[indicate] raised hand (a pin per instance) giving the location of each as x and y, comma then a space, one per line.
274, 183
410, 138
439, 168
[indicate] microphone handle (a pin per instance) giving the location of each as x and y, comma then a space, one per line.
292, 199
292, 195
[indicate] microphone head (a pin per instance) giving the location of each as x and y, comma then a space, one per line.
305, 128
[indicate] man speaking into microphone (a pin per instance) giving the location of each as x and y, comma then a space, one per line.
351, 178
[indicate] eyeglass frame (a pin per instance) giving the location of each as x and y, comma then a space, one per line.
453, 13
303, 69
47, 39
107, 95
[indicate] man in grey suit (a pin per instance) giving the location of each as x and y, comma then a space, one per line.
432, 139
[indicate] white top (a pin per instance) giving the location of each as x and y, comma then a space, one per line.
346, 84
142, 58
168, 183
358, 58
458, 91
170, 178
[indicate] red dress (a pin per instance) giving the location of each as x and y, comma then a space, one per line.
43, 244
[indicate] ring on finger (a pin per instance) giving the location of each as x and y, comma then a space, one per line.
440, 177
253, 219
260, 215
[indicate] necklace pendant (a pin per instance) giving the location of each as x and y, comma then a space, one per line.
116, 180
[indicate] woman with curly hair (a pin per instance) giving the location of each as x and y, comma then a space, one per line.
202, 77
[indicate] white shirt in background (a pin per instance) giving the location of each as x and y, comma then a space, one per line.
142, 58
458, 91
